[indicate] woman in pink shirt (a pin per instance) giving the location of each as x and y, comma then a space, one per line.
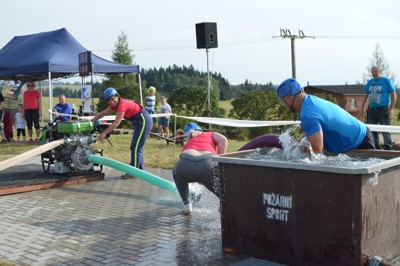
32, 110
195, 163
132, 111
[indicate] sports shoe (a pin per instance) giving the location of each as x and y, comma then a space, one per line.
127, 176
37, 140
4, 141
30, 140
187, 208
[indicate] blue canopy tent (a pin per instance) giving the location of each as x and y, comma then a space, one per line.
52, 54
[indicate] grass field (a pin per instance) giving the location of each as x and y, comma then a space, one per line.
157, 153
227, 105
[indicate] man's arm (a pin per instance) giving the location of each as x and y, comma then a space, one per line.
364, 105
393, 98
317, 141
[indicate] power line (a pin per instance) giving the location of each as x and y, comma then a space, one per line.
260, 40
286, 33
356, 37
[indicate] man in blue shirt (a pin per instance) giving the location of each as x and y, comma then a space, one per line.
327, 125
381, 96
62, 108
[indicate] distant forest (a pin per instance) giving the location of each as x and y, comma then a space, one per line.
172, 77
168, 79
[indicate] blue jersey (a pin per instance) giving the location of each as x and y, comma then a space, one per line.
379, 91
63, 109
341, 131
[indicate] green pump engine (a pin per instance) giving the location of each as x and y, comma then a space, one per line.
71, 157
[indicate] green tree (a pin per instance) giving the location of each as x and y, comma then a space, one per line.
259, 105
125, 83
188, 100
123, 55
192, 101
378, 59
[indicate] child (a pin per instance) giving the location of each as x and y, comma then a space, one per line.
150, 106
20, 123
165, 108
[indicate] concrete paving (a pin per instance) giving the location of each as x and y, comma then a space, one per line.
112, 222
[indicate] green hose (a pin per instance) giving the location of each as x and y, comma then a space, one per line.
155, 180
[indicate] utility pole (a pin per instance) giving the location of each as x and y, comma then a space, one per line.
286, 33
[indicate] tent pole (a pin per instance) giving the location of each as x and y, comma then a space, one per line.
41, 102
91, 81
140, 89
50, 96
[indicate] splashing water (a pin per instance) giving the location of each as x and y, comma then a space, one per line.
195, 192
292, 151
292, 148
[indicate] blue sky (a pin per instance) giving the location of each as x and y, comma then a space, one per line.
162, 33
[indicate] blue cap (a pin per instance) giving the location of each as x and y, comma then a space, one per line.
191, 126
110, 92
289, 87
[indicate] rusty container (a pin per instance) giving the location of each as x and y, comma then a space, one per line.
298, 214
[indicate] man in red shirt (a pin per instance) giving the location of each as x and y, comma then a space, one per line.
4, 140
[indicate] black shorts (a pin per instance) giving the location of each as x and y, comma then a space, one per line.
32, 118
368, 142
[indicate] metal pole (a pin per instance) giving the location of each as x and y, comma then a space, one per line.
41, 102
173, 152
91, 81
140, 89
285, 33
208, 87
208, 91
50, 96
293, 58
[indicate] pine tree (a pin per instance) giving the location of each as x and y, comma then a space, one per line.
123, 55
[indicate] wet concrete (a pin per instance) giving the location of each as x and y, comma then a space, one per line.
111, 222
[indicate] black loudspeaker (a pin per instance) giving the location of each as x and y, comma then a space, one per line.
206, 35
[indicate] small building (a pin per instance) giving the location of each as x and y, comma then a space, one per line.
349, 97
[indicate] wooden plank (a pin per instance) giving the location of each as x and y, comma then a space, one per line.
54, 184
29, 154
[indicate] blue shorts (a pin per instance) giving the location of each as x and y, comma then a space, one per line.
164, 122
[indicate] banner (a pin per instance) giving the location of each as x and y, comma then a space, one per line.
11, 89
86, 96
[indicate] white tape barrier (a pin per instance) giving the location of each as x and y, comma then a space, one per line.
241, 123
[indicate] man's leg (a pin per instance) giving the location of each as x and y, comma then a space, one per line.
373, 120
384, 119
